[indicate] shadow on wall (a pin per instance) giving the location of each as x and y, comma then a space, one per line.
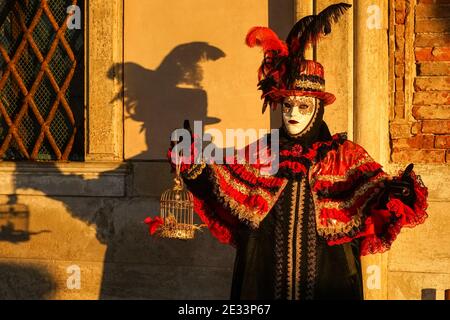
25, 283
137, 266
14, 222
161, 99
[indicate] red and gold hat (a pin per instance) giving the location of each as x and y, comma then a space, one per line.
309, 81
284, 71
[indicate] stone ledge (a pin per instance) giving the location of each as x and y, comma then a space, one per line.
64, 179
64, 167
409, 286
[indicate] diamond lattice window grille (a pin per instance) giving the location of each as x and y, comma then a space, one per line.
41, 81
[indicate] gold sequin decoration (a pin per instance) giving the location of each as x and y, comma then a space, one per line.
306, 84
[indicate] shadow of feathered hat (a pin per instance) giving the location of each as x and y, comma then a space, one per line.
284, 70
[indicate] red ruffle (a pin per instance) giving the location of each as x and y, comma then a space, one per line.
349, 183
252, 202
218, 229
297, 150
345, 239
317, 145
381, 232
346, 214
153, 224
294, 167
260, 181
332, 213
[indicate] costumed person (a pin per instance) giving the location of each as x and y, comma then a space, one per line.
299, 234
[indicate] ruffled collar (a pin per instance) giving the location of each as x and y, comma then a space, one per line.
295, 158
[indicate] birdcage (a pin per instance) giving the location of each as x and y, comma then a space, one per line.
177, 210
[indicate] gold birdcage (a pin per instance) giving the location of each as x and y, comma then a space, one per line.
177, 211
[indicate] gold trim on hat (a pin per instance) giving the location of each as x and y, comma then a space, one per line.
307, 84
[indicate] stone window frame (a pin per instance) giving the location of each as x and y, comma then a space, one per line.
104, 125
105, 45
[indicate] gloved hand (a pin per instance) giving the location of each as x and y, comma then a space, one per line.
401, 188
186, 126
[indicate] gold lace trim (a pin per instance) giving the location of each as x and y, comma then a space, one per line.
298, 257
342, 228
340, 205
307, 84
290, 240
241, 187
195, 171
243, 213
336, 178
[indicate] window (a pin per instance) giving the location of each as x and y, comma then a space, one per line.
41, 81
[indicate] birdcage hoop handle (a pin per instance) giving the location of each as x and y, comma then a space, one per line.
178, 161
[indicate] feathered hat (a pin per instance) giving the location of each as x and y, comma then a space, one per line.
284, 70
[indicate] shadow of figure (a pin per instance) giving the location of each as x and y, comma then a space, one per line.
18, 282
161, 99
135, 265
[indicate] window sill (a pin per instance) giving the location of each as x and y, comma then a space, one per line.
64, 167
80, 179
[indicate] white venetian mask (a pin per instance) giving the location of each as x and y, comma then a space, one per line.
298, 113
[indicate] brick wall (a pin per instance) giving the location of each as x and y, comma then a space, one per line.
420, 117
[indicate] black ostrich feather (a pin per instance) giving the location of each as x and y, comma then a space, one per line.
309, 29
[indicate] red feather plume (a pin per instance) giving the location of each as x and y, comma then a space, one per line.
267, 39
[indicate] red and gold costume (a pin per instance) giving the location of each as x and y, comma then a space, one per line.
345, 185
300, 233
